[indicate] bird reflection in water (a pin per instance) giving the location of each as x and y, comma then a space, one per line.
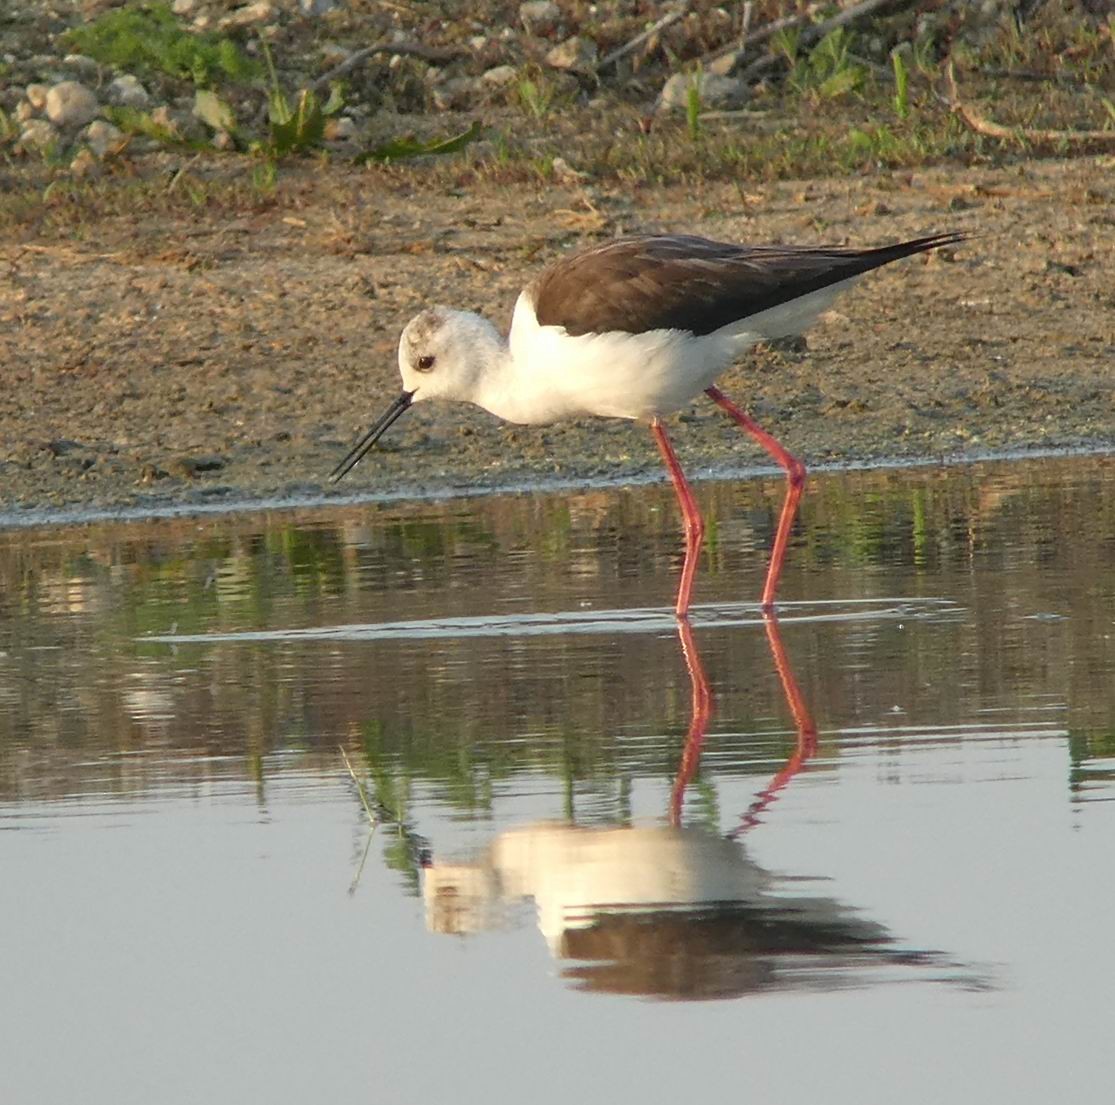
668, 911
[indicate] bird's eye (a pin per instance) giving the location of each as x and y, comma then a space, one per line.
425, 362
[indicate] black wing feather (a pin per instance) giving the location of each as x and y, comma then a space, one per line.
682, 282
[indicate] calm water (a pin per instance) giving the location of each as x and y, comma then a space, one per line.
861, 854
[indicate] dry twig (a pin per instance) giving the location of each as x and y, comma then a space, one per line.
816, 32
359, 789
410, 49
622, 51
753, 38
996, 130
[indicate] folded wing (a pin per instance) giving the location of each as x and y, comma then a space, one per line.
683, 282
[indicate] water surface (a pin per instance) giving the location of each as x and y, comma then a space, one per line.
860, 852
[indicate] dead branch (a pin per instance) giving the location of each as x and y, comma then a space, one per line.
991, 129
410, 49
622, 51
754, 38
816, 32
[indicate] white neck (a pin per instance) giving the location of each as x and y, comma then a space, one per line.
500, 383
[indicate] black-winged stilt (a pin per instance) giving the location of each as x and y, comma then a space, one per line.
635, 328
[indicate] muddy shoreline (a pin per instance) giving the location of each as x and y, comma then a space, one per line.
208, 362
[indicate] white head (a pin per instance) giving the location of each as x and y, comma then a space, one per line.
443, 354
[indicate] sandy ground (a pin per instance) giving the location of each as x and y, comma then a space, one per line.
199, 357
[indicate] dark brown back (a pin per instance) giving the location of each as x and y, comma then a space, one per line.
681, 282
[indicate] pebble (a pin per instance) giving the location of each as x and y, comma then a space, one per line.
70, 104
162, 117
454, 94
127, 91
539, 17
333, 53
84, 65
192, 467
501, 76
340, 129
717, 93
183, 7
36, 95
564, 173
576, 53
101, 137
260, 12
316, 7
85, 164
37, 134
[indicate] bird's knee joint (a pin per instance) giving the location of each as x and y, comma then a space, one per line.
795, 472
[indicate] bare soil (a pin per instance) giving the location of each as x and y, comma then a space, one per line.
195, 356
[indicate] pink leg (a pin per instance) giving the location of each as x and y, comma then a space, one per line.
806, 746
700, 713
795, 476
694, 524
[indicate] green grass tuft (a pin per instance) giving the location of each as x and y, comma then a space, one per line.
149, 39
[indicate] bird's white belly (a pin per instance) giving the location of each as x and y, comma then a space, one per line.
620, 375
623, 375
613, 375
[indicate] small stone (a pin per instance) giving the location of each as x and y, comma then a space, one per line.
192, 467
540, 17
150, 473
62, 446
340, 129
183, 7
716, 93
222, 140
260, 12
576, 53
24, 111
38, 134
128, 92
454, 94
36, 95
564, 173
501, 76
87, 67
723, 66
85, 165
70, 104
316, 7
101, 137
477, 43
163, 119
333, 53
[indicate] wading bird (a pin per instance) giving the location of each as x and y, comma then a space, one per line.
635, 328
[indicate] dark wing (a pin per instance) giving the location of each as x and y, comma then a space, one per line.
680, 282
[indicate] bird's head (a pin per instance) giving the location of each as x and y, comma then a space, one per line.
442, 355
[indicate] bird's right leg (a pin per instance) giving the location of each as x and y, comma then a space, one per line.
694, 524
795, 482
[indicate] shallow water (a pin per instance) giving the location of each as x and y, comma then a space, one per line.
861, 853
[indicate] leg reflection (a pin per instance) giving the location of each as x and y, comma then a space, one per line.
806, 730
803, 722
701, 711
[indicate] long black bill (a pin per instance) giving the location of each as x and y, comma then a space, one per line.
358, 451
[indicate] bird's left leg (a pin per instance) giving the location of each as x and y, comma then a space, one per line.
694, 524
795, 477
700, 714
